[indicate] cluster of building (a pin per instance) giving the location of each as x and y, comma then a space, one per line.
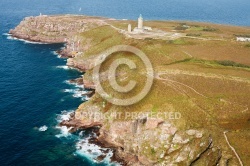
140, 28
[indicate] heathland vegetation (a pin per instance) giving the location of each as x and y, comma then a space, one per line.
206, 79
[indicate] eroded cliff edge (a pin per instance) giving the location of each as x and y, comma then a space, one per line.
197, 136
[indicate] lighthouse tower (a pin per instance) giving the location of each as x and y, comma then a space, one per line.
140, 22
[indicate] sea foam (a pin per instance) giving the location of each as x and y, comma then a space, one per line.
55, 53
6, 34
9, 37
63, 67
92, 151
84, 147
64, 131
43, 128
65, 115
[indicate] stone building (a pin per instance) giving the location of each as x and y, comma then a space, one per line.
129, 28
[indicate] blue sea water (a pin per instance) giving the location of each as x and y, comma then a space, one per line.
32, 78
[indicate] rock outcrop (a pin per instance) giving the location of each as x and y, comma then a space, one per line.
150, 141
54, 29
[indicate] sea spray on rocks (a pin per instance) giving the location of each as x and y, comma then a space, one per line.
86, 145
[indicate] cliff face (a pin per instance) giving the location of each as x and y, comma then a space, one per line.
194, 139
149, 141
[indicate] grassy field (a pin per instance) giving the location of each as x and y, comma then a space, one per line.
207, 81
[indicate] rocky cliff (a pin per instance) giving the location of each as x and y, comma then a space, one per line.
149, 141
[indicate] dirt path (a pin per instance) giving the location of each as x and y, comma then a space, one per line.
158, 76
236, 154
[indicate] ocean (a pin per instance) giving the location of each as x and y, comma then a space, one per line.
34, 92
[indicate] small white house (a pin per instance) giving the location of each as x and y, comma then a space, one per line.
243, 39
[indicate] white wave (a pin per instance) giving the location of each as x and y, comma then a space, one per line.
67, 82
54, 52
84, 147
6, 34
43, 128
65, 115
85, 98
92, 151
71, 90
79, 86
9, 37
67, 68
64, 131
78, 93
63, 67
72, 83
57, 55
81, 133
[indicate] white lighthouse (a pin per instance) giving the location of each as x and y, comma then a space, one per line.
140, 22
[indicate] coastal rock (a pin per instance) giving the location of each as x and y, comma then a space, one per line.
88, 84
100, 158
78, 81
77, 124
82, 65
147, 146
153, 123
146, 141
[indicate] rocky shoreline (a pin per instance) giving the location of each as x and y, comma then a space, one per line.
72, 123
141, 141
76, 126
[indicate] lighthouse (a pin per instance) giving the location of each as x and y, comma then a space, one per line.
140, 22
140, 28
